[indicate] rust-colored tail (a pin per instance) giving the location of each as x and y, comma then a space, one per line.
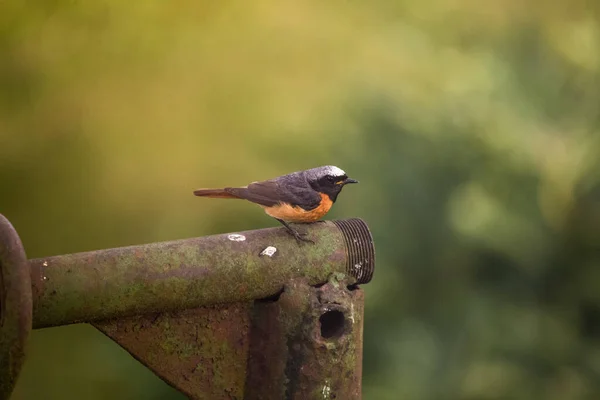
215, 193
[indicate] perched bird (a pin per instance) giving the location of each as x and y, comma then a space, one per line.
299, 197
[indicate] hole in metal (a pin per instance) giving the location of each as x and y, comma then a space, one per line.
332, 324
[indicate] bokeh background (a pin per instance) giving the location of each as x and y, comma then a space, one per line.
473, 127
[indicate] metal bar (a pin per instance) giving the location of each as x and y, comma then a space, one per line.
194, 272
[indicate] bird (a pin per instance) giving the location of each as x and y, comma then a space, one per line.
299, 197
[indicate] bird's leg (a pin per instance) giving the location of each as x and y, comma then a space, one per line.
294, 232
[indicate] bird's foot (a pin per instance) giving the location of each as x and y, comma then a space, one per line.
300, 236
297, 235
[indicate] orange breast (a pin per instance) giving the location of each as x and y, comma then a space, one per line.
290, 213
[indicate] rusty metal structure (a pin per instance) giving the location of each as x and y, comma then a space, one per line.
247, 315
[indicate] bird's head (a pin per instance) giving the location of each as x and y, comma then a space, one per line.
328, 179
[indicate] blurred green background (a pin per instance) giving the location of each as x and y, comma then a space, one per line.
472, 126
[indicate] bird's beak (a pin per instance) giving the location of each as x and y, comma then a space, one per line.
347, 181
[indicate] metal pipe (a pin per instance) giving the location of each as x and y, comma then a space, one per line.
194, 272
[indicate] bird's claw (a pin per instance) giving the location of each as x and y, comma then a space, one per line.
300, 237
297, 235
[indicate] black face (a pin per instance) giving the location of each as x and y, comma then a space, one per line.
331, 185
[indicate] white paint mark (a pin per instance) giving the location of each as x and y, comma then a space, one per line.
234, 237
326, 390
269, 251
45, 278
45, 264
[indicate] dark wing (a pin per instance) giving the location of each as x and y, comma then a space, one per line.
272, 192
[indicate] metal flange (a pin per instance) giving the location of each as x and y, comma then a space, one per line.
15, 306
